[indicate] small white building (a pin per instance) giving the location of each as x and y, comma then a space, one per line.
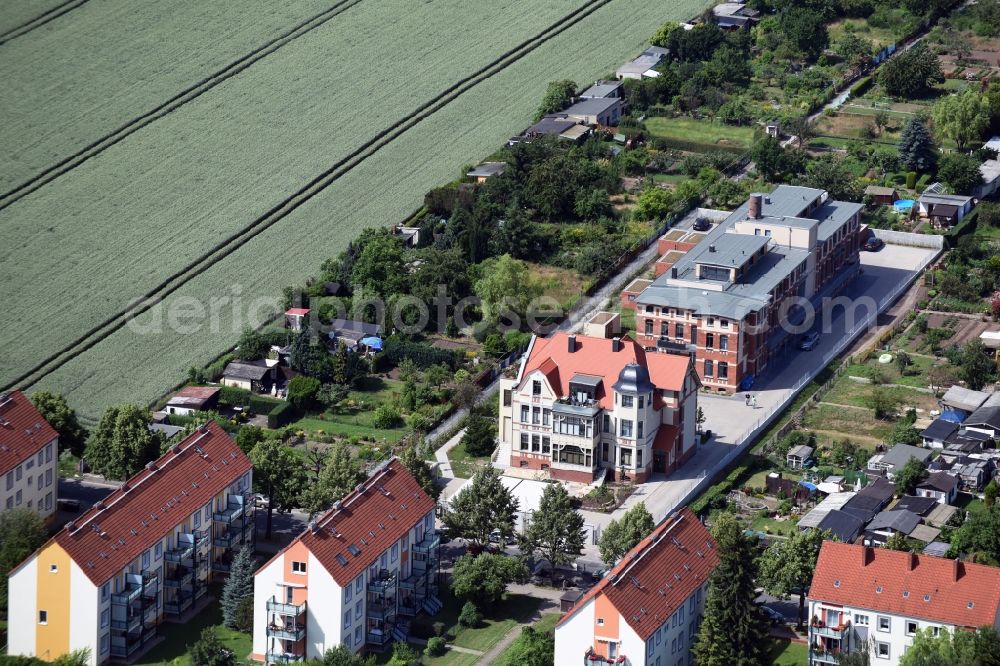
940, 486
861, 594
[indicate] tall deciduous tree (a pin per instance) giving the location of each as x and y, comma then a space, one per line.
252, 345
976, 367
278, 472
733, 630
556, 529
960, 173
209, 650
57, 412
916, 147
787, 566
122, 443
238, 586
979, 536
340, 474
907, 478
420, 471
505, 284
21, 532
976, 648
911, 73
558, 96
619, 537
962, 117
483, 579
483, 506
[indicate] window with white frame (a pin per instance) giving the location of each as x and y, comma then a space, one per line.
105, 643
911, 627
298, 567
348, 618
105, 617
884, 623
860, 620
348, 592
394, 553
882, 650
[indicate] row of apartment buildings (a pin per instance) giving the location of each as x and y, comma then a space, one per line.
148, 552
727, 297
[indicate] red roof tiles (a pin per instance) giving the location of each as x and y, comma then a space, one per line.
23, 431
594, 356
938, 589
659, 574
372, 517
153, 503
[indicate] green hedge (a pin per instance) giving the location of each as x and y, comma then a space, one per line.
720, 490
261, 404
664, 143
234, 396
963, 228
215, 370
281, 415
861, 86
423, 355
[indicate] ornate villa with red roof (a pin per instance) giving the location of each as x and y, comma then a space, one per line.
580, 407
147, 551
861, 594
646, 610
29, 457
355, 576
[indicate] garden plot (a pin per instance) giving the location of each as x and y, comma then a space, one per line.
104, 63
121, 223
384, 188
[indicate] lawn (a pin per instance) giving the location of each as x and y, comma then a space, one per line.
497, 621
545, 625
915, 377
172, 650
879, 36
783, 652
854, 423
563, 284
463, 465
772, 526
700, 135
356, 420
849, 392
197, 193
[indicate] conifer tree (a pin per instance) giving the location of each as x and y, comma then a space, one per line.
238, 586
916, 147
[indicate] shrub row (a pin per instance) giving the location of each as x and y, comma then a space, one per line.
261, 404
282, 414
859, 88
423, 355
718, 492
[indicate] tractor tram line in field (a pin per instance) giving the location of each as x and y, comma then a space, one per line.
41, 20
233, 242
177, 101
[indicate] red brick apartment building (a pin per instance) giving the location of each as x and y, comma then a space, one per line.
583, 406
723, 301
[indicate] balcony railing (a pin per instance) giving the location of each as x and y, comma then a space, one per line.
384, 584
283, 658
380, 611
591, 658
182, 552
126, 597
131, 623
221, 566
378, 638
126, 650
230, 514
824, 656
830, 632
177, 606
229, 539
431, 541
286, 609
181, 578
288, 632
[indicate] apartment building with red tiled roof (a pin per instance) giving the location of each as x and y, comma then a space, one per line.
355, 576
582, 406
883, 597
646, 610
29, 457
147, 551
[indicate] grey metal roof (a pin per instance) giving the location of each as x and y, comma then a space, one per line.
237, 370
487, 169
947, 199
601, 89
843, 525
832, 216
880, 489
937, 549
918, 505
343, 325
634, 378
963, 398
863, 507
940, 481
987, 415
554, 124
833, 502
939, 429
898, 455
729, 249
592, 107
586, 380
802, 451
896, 520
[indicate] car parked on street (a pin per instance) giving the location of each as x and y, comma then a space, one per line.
873, 244
809, 341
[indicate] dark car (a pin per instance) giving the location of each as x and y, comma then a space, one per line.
702, 224
874, 244
772, 615
808, 341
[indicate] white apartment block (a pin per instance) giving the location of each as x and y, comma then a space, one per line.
29, 457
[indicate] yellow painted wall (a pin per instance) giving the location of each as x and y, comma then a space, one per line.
52, 638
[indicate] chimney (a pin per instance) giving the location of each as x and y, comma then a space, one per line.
571, 343
867, 555
958, 569
711, 248
754, 206
911, 561
616, 344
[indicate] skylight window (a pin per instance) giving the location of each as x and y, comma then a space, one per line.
342, 560
354, 550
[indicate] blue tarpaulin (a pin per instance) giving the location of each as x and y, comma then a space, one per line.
808, 486
372, 342
953, 415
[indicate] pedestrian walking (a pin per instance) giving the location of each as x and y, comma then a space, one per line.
748, 400
754, 400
